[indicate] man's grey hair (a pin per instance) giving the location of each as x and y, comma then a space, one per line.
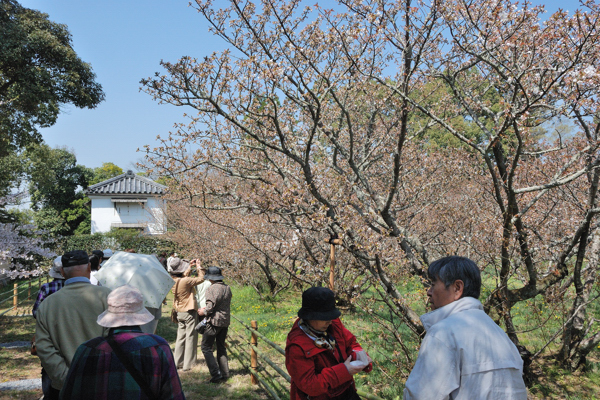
453, 268
68, 271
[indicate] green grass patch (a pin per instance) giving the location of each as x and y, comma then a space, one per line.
21, 394
13, 329
536, 320
26, 295
17, 364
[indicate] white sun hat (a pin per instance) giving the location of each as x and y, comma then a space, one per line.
55, 269
125, 308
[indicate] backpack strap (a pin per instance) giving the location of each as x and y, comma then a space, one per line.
137, 375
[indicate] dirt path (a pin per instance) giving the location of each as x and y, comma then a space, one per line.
22, 384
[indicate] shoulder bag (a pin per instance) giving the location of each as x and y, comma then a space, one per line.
201, 327
135, 374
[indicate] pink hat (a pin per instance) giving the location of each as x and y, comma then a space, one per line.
125, 308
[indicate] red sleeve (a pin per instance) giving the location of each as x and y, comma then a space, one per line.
302, 372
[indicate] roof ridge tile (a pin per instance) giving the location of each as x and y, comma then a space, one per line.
127, 183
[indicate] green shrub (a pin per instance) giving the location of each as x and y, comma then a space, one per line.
119, 239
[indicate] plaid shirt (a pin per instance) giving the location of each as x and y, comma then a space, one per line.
46, 290
97, 373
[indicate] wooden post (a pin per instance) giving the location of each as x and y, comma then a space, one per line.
253, 357
15, 296
333, 241
29, 290
47, 278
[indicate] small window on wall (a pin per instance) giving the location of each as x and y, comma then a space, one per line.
122, 208
129, 206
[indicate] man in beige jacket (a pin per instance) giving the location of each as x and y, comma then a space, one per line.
68, 318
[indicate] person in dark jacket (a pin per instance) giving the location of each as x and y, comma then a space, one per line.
218, 316
321, 355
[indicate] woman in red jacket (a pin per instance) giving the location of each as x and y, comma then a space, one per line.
321, 355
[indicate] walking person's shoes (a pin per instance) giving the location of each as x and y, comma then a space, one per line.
217, 379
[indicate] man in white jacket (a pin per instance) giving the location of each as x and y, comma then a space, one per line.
465, 354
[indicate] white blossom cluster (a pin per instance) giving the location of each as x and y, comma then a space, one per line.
19, 243
583, 76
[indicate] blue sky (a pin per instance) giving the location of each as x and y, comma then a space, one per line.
125, 41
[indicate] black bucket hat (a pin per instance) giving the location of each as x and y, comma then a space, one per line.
318, 303
213, 274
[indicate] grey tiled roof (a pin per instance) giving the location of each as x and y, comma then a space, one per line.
127, 183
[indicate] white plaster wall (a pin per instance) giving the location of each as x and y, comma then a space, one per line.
105, 213
155, 212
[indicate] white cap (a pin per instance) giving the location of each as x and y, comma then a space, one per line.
55, 270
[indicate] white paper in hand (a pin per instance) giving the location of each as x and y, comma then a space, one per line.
362, 360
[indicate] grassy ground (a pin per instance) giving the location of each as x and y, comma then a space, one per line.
18, 364
21, 395
274, 320
194, 382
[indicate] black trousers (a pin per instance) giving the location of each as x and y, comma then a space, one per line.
220, 366
49, 392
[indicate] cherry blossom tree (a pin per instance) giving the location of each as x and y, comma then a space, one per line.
22, 247
251, 245
412, 130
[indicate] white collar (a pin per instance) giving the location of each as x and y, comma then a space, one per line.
435, 316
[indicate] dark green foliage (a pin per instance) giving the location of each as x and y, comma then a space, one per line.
50, 220
87, 243
78, 215
54, 177
436, 136
12, 170
55, 182
119, 239
106, 171
39, 72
